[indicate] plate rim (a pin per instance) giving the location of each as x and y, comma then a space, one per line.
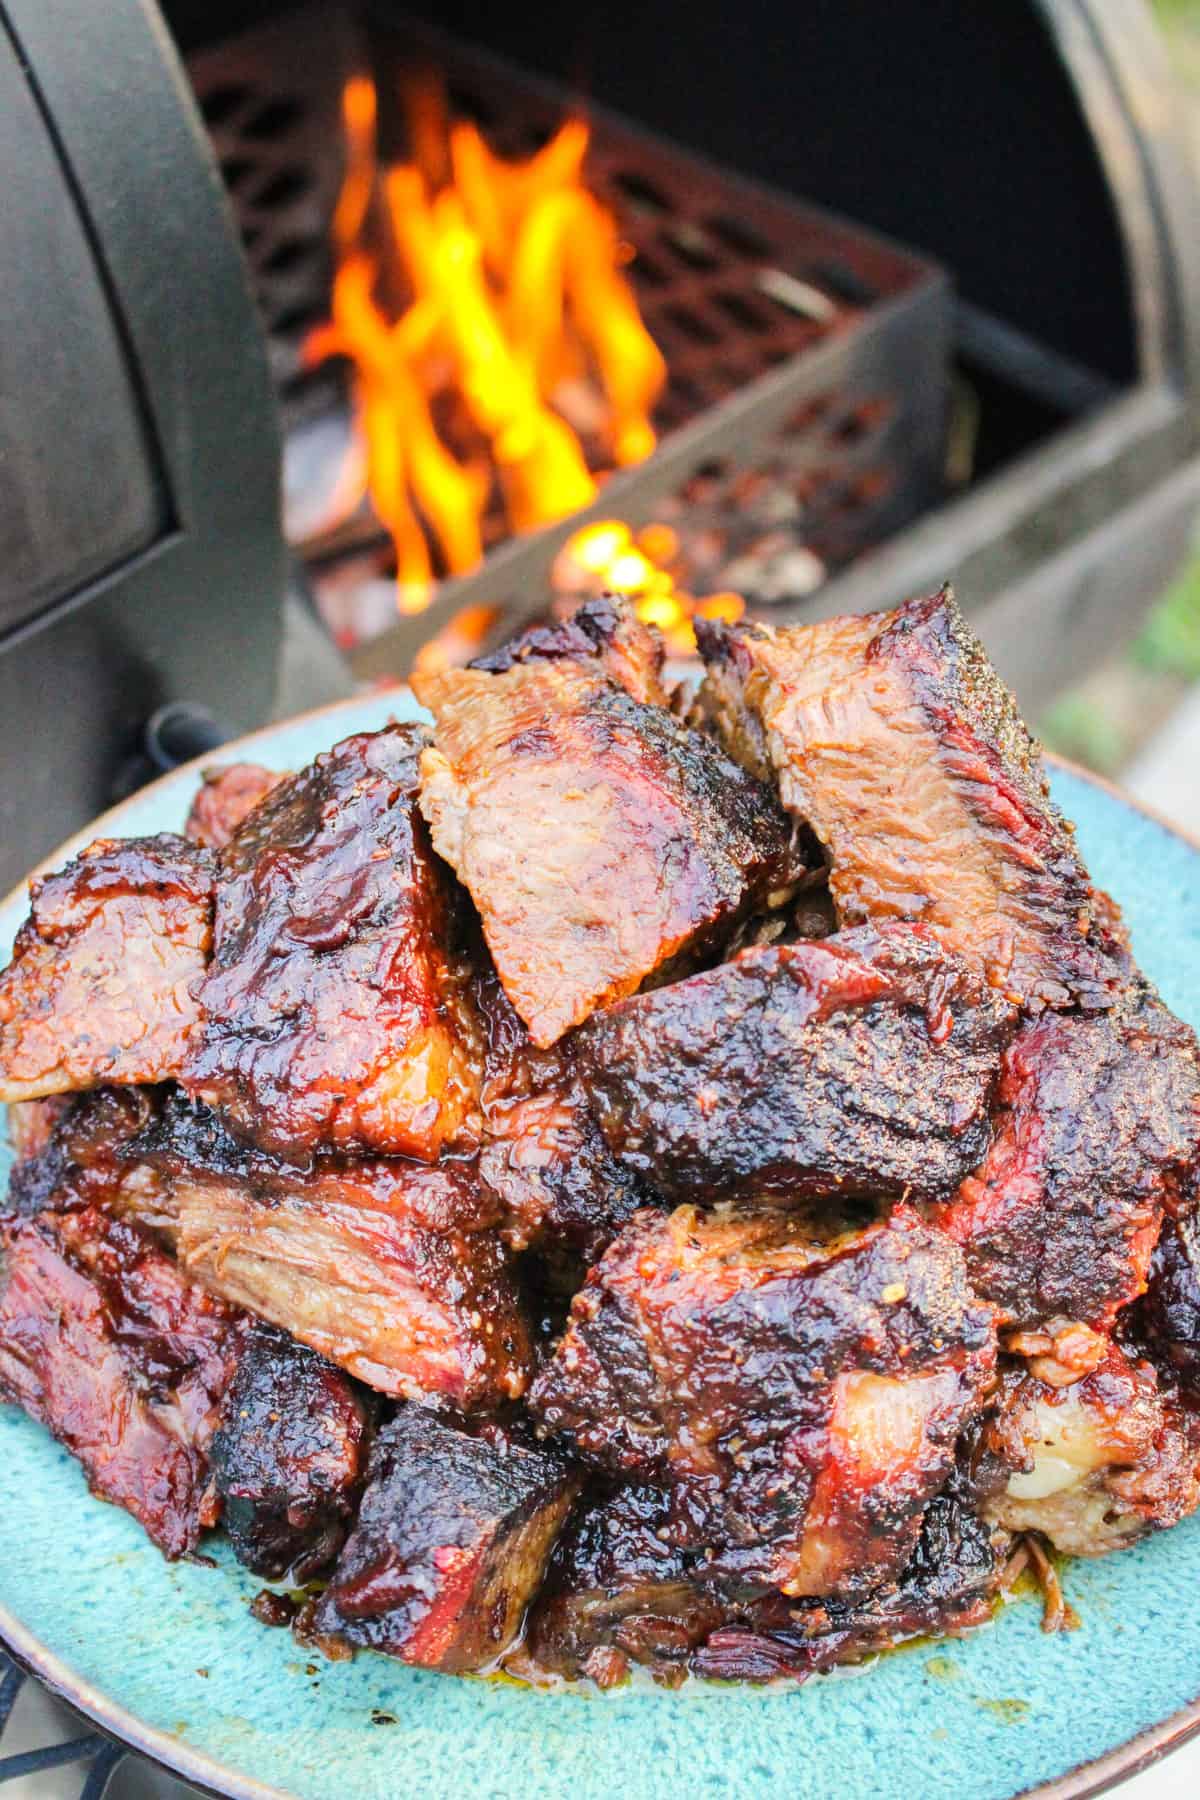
1085, 1780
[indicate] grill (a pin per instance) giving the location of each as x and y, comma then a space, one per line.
806, 400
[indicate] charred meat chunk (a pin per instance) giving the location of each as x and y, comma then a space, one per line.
944, 1590
226, 797
862, 1064
333, 1016
1098, 1462
450, 1543
542, 1155
389, 1269
75, 1157
31, 1124
1168, 1317
288, 1456
99, 986
1098, 1125
800, 1391
615, 1592
598, 836
892, 737
106, 1343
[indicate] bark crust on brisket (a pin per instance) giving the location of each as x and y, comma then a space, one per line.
288, 1456
862, 1064
801, 1394
106, 1343
1097, 1131
333, 1009
451, 1543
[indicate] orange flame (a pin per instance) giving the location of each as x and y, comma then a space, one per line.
512, 284
608, 558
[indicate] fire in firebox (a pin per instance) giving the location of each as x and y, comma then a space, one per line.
500, 362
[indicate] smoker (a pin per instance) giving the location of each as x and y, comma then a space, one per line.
983, 220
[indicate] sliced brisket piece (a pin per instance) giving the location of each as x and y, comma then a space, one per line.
543, 1157
387, 1268
228, 795
801, 1394
289, 1456
450, 1543
599, 837
1098, 1462
334, 1014
892, 736
861, 1064
99, 987
104, 1341
1097, 1130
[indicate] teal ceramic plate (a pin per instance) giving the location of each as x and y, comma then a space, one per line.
167, 1656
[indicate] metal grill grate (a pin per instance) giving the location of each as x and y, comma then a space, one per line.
808, 360
100, 1755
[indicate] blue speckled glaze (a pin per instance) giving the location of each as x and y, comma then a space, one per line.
171, 1655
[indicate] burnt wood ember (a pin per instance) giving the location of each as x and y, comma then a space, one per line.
1097, 1130
99, 987
389, 1269
599, 837
227, 796
891, 735
862, 1064
543, 1156
106, 1343
333, 1010
450, 1543
1098, 1462
801, 1394
288, 1456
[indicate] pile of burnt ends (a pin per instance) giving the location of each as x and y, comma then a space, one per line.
614, 1179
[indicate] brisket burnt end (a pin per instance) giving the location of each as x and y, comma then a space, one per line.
333, 1009
800, 1394
100, 984
599, 837
862, 1064
289, 1456
892, 736
106, 1343
450, 1544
